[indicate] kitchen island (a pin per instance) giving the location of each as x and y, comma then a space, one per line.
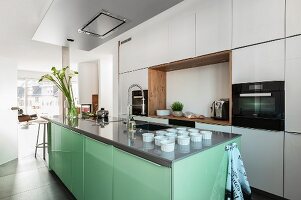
108, 162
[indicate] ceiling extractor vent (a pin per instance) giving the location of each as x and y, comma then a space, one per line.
102, 24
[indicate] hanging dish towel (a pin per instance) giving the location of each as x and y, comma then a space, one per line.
238, 187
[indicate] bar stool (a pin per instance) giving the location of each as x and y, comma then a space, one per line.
44, 143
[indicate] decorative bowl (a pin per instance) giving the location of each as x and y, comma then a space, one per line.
148, 137
183, 140
163, 112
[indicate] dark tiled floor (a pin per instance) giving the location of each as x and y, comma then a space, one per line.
29, 179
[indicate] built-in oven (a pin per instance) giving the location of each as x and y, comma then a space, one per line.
137, 102
259, 105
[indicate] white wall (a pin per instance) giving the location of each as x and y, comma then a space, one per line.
87, 81
106, 83
198, 87
8, 118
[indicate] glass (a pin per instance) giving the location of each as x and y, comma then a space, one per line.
257, 105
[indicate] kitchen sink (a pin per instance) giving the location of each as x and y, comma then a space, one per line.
151, 127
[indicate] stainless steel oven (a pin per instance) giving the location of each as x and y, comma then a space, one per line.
259, 105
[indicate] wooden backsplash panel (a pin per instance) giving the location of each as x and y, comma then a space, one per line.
156, 91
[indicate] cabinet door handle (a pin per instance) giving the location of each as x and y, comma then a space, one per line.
256, 95
294, 133
140, 158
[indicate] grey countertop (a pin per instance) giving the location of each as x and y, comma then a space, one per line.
115, 133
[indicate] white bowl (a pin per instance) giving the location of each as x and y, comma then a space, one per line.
196, 137
170, 134
181, 128
172, 130
163, 112
183, 140
167, 146
207, 135
186, 133
161, 133
194, 130
158, 139
148, 137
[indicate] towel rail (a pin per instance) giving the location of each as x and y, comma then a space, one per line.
229, 146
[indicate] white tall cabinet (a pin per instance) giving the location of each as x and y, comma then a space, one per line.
292, 158
213, 26
257, 21
132, 53
293, 84
262, 153
263, 62
293, 17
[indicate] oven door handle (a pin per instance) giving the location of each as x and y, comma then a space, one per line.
256, 95
137, 97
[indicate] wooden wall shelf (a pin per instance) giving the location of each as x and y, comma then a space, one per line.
210, 59
206, 120
157, 80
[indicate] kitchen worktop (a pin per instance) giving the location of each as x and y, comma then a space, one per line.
115, 133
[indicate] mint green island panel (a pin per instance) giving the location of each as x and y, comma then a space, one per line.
139, 179
77, 172
98, 170
203, 175
66, 156
50, 139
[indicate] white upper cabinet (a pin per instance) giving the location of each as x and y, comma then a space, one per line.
156, 44
182, 36
213, 26
257, 21
293, 85
264, 62
132, 53
293, 17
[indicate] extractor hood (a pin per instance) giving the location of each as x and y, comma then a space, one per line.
103, 24
91, 23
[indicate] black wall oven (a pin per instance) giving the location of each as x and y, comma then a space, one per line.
259, 105
137, 102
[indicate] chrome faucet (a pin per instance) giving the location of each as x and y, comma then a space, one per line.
131, 124
129, 96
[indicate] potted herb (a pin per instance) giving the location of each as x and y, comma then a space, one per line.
177, 108
62, 80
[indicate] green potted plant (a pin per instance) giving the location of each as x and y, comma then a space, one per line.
177, 108
62, 80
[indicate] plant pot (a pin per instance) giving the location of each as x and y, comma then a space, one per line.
177, 113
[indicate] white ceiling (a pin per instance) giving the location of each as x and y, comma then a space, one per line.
65, 17
19, 21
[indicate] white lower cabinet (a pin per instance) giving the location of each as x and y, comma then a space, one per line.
262, 153
211, 127
125, 80
292, 166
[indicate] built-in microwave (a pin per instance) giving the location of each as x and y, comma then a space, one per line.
137, 102
259, 105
